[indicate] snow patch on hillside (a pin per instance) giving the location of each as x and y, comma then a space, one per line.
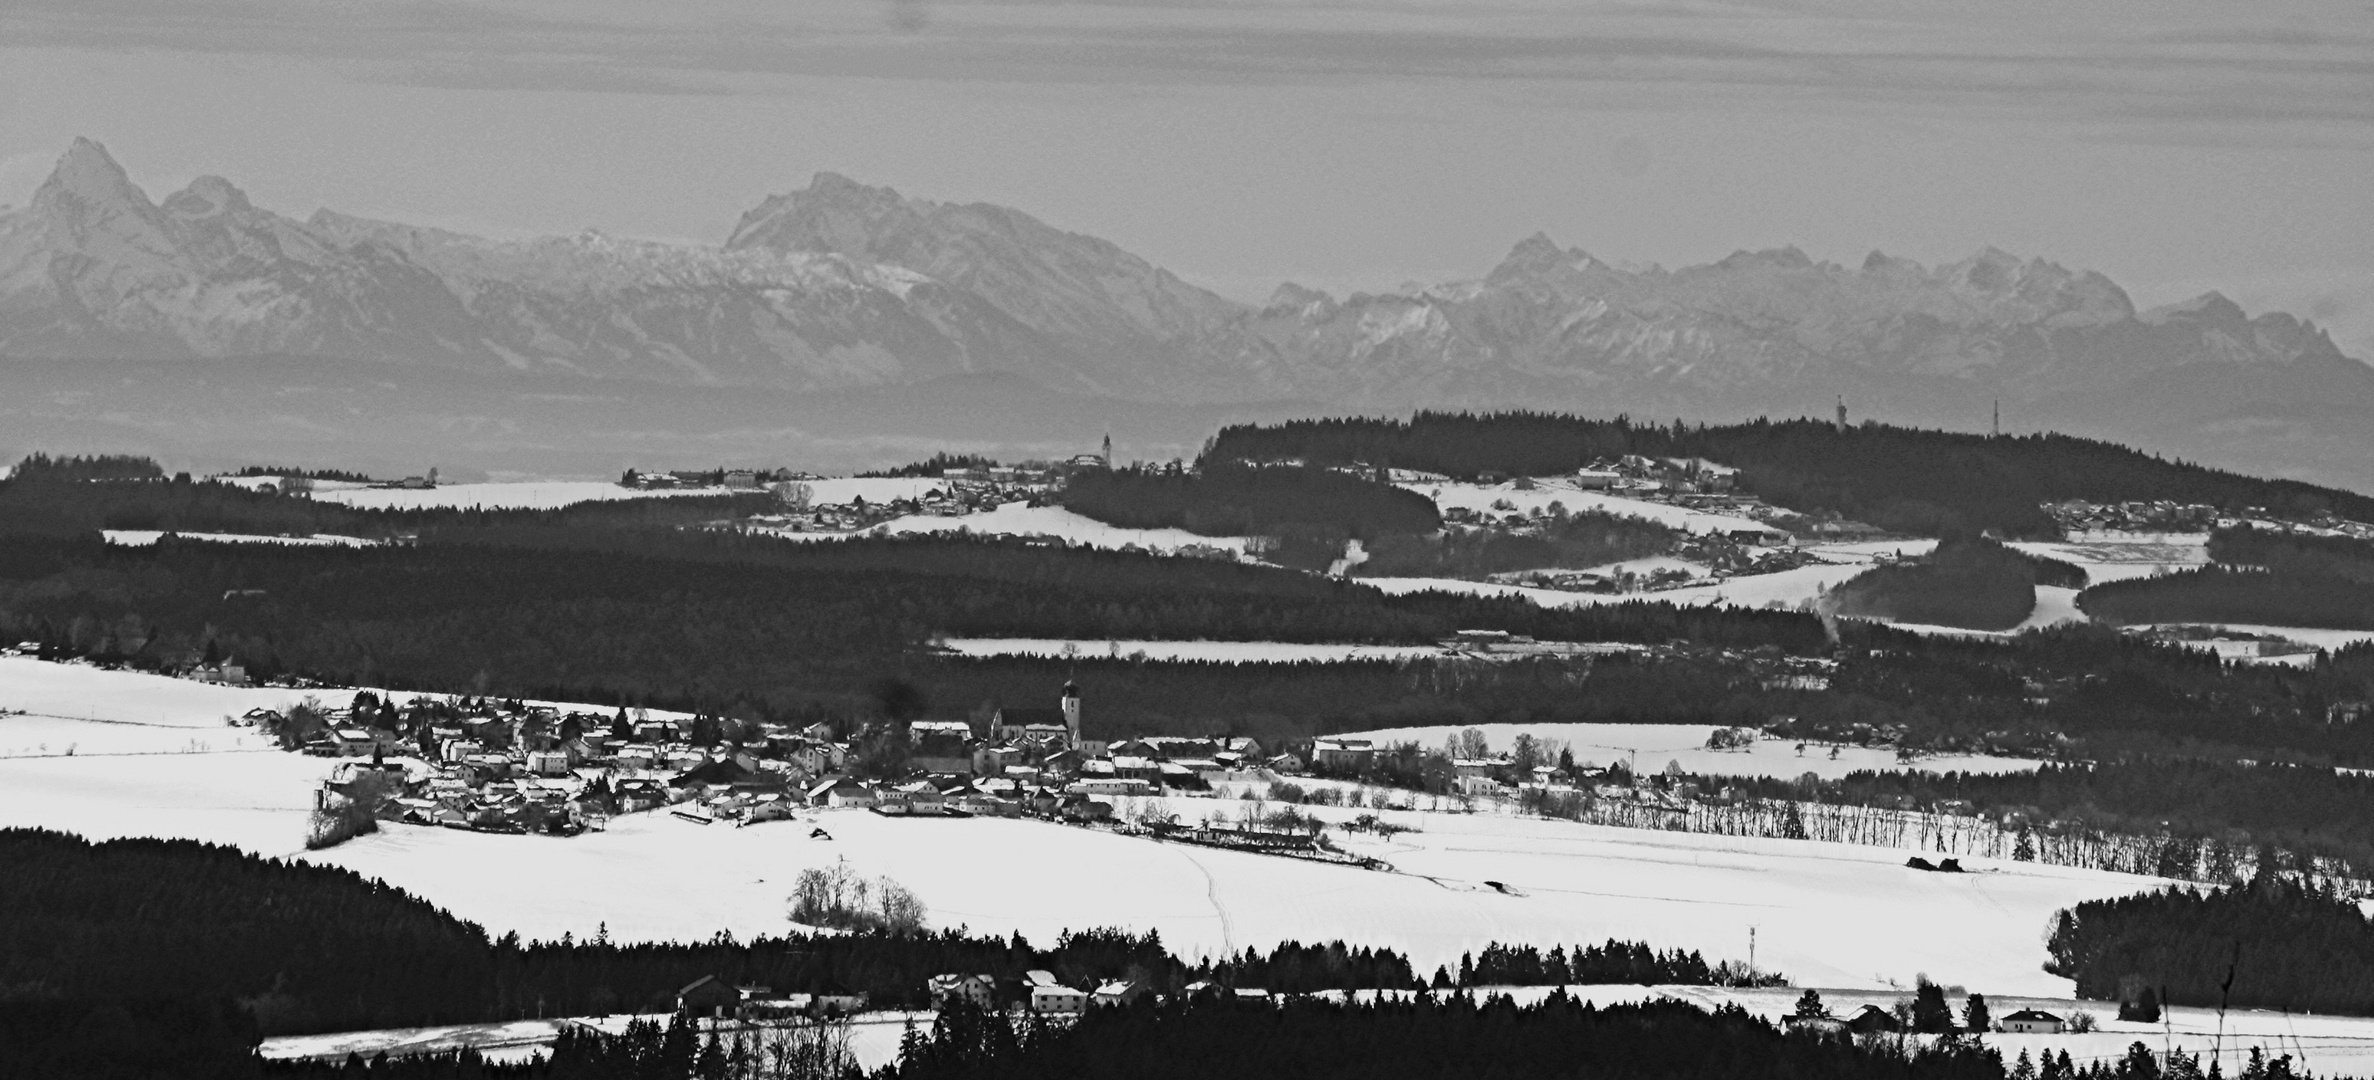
1479, 498
1225, 652
145, 537
1651, 747
1023, 519
534, 495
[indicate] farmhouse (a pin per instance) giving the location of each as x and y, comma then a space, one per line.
1050, 996
708, 996
2032, 1022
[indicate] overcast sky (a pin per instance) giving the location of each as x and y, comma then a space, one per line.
2175, 146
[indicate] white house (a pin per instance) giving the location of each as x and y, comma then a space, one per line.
1058, 1000
2032, 1022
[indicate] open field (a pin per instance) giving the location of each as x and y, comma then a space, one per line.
1452, 495
1227, 652
1023, 519
534, 495
145, 537
1827, 913
1651, 747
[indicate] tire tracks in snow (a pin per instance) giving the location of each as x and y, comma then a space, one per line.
1211, 889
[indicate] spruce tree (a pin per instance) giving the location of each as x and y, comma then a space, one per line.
1975, 1017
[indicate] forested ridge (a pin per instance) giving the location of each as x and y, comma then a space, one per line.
1901, 479
768, 630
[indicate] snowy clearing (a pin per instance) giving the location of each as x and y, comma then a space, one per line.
2107, 558
1480, 497
1651, 747
534, 495
1227, 652
97, 710
1023, 519
145, 537
842, 490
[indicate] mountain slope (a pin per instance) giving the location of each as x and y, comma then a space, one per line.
1154, 331
93, 268
839, 287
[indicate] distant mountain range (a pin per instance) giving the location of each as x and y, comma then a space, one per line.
850, 293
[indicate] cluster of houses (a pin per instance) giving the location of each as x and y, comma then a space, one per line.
1034, 761
1873, 1020
509, 766
2076, 516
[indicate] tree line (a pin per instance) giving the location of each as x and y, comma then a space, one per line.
1901, 479
2220, 816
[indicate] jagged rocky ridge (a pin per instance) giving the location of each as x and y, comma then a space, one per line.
841, 286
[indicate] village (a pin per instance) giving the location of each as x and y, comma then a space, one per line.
514, 767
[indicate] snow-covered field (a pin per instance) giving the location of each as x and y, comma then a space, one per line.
145, 537
1450, 495
52, 707
1023, 519
1652, 747
532, 495
1829, 914
1229, 652
2119, 558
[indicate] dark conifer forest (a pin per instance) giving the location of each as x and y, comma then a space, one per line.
2258, 577
2285, 945
1900, 479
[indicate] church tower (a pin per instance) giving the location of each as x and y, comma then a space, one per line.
1108, 451
1842, 413
1071, 711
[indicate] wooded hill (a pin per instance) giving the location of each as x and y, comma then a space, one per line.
1970, 582
2260, 577
1901, 479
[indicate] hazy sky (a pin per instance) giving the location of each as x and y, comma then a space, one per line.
2175, 146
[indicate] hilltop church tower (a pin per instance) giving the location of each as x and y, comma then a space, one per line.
1842, 413
1071, 711
1108, 450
